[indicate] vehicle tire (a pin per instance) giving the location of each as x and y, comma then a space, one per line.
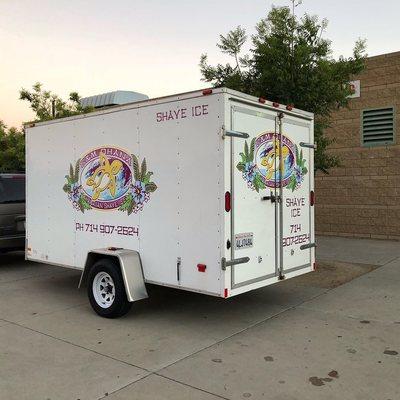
106, 289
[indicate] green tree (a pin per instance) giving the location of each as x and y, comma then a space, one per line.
12, 145
290, 62
47, 105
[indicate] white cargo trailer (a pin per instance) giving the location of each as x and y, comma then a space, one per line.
209, 191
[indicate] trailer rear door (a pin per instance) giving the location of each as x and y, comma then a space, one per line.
271, 183
253, 220
296, 235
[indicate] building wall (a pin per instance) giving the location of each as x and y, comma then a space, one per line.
361, 198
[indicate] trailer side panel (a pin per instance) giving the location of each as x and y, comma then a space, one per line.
146, 178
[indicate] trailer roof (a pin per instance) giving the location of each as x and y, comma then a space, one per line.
252, 100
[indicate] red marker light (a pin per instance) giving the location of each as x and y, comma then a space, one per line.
201, 267
312, 198
261, 100
289, 107
276, 105
315, 266
207, 91
227, 201
225, 293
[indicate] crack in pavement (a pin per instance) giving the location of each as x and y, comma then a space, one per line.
73, 344
164, 377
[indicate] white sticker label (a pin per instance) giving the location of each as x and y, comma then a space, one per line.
243, 240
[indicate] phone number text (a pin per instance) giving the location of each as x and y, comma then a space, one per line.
107, 229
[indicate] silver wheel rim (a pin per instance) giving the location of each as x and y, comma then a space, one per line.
103, 289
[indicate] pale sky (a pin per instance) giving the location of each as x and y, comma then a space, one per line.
150, 46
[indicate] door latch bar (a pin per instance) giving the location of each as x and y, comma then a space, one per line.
307, 246
237, 134
235, 261
308, 145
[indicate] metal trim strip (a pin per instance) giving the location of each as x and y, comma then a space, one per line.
296, 268
254, 280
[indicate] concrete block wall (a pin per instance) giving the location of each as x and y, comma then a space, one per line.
361, 198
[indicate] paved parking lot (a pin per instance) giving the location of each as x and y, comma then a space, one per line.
292, 340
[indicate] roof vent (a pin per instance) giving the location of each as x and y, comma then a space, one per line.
112, 99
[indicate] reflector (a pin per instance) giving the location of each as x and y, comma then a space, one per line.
227, 201
312, 198
201, 267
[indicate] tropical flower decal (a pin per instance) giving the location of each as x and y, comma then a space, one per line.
140, 190
260, 163
109, 178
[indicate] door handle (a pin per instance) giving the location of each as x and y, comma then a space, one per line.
271, 197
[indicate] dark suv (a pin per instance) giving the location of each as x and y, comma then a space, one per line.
12, 212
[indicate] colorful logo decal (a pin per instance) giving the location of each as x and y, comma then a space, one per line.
260, 165
108, 178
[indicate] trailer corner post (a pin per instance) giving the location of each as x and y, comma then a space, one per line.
281, 276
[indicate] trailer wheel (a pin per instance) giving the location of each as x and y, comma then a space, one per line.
106, 289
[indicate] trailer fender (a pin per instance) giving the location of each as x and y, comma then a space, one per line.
131, 270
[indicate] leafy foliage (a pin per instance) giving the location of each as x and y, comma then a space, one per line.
247, 156
12, 145
248, 168
83, 204
299, 171
128, 205
42, 102
290, 62
72, 178
47, 105
74, 189
141, 175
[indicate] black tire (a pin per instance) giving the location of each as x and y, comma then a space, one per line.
120, 306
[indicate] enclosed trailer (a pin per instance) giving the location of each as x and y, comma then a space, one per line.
209, 191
